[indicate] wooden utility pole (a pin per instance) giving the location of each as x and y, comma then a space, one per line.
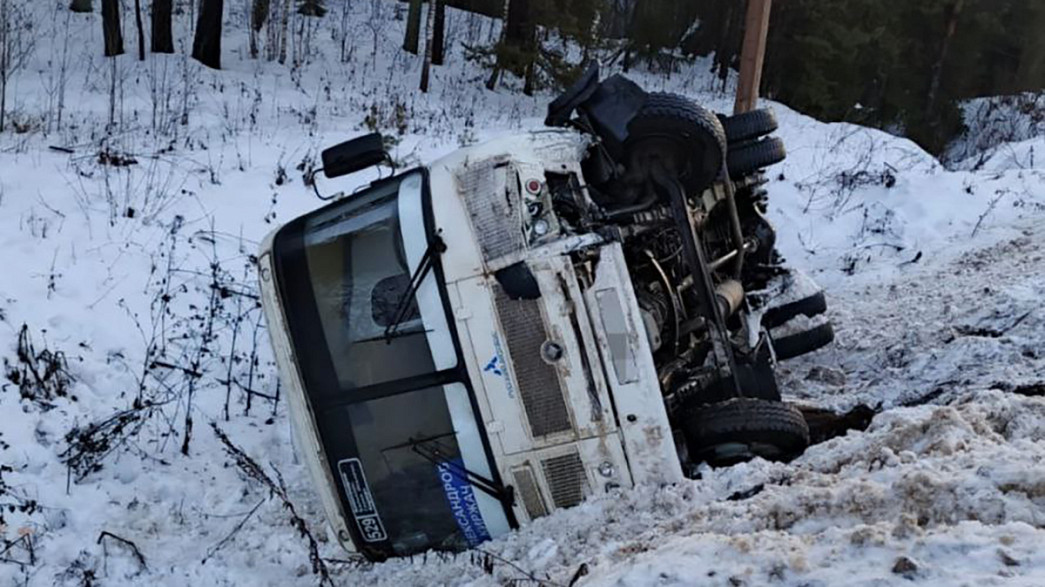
752, 55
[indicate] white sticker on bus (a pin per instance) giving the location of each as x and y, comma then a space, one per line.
361, 501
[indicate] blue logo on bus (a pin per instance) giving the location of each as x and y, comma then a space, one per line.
494, 366
498, 368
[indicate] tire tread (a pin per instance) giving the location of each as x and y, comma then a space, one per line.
801, 343
752, 157
749, 125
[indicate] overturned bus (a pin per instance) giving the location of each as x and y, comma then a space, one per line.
480, 341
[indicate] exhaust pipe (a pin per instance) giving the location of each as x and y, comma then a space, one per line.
729, 295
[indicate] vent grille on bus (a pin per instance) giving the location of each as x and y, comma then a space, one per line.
538, 383
530, 494
566, 479
496, 213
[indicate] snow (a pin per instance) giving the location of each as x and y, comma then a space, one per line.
994, 123
934, 280
858, 200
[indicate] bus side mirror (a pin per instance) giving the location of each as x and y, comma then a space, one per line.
354, 155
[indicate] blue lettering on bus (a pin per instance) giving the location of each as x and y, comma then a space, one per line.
463, 505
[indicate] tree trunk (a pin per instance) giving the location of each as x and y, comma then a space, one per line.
726, 50
728, 40
141, 31
112, 101
439, 34
521, 34
1030, 74
519, 28
206, 46
344, 32
530, 79
259, 13
429, 33
285, 16
111, 28
953, 12
495, 75
3, 98
272, 31
81, 6
619, 18
707, 20
413, 27
5, 60
162, 39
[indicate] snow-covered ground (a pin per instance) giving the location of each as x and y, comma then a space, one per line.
141, 277
1008, 126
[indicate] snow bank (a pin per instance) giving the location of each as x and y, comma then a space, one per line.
993, 123
949, 487
850, 200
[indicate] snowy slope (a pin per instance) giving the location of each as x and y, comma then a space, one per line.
141, 275
993, 124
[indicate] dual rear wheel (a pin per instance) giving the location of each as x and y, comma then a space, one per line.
741, 428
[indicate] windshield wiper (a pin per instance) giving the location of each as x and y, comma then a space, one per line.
502, 493
436, 247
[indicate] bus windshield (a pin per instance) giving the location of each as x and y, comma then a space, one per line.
343, 272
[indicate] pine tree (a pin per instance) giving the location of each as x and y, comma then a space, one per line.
525, 51
659, 25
